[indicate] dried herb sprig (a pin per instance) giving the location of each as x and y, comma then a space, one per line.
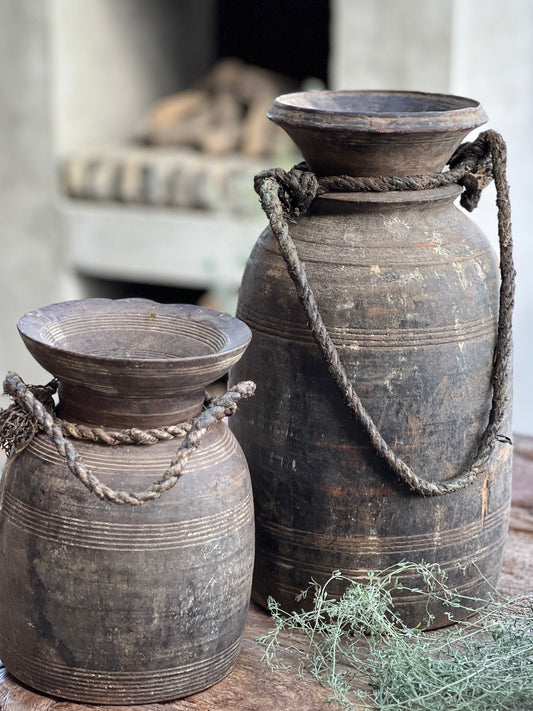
358, 647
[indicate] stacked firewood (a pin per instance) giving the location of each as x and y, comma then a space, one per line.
223, 113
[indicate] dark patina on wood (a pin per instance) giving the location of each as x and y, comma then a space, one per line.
252, 685
408, 288
121, 604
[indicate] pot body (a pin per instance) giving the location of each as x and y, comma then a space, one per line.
110, 604
408, 288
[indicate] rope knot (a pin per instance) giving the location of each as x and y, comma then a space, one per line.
297, 188
474, 159
18, 425
472, 191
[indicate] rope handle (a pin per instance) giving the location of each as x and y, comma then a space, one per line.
133, 435
218, 408
284, 196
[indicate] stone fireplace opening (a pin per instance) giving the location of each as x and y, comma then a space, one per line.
163, 219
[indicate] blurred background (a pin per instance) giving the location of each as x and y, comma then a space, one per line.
130, 131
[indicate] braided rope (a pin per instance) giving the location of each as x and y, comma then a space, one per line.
17, 426
470, 167
132, 435
219, 408
284, 196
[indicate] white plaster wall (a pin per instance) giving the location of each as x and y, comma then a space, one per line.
477, 48
73, 72
112, 58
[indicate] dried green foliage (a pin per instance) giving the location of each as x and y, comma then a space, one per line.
358, 647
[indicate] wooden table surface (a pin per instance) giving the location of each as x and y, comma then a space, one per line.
251, 686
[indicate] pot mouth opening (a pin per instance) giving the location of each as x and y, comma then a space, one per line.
375, 103
134, 337
331, 107
133, 330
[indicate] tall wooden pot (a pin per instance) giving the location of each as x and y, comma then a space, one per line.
110, 604
408, 288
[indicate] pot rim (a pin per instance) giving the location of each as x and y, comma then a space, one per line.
460, 113
234, 332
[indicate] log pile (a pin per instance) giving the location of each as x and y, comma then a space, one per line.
199, 148
164, 177
224, 113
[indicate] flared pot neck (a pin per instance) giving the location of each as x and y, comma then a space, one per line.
132, 362
376, 133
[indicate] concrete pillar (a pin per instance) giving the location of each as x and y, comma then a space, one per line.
390, 44
31, 244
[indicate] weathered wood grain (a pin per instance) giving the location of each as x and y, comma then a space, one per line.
415, 335
252, 686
